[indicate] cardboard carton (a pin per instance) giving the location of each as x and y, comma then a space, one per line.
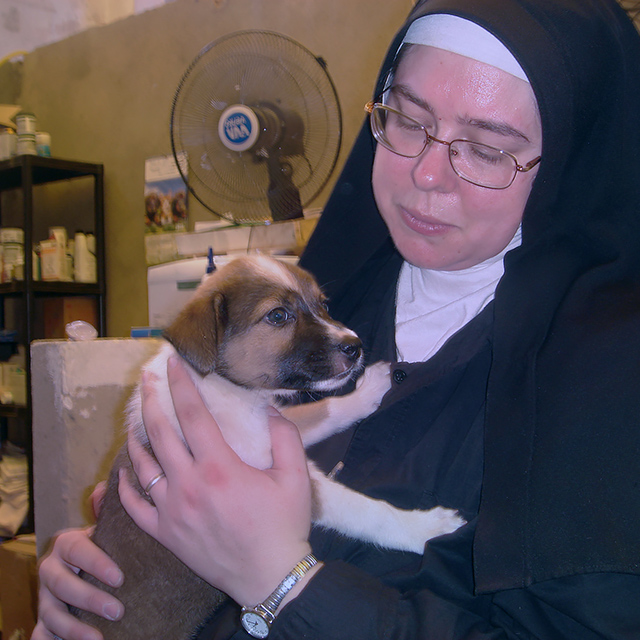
18, 586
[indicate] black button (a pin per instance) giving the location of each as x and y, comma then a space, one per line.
399, 376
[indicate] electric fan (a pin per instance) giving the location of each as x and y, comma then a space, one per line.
257, 117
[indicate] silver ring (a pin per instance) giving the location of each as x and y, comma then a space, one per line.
153, 481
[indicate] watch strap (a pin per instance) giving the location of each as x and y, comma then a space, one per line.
267, 609
272, 603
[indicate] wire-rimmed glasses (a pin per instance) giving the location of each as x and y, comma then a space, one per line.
477, 163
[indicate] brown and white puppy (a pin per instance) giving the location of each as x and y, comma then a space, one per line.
255, 331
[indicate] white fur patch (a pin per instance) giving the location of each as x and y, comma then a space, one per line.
277, 272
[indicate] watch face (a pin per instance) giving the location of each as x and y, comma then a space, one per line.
254, 624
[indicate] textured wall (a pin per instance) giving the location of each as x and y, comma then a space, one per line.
25, 25
79, 393
105, 96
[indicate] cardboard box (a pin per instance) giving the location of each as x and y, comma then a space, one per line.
58, 312
18, 586
53, 261
14, 382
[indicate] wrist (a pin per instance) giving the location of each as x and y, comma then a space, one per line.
269, 573
257, 619
299, 587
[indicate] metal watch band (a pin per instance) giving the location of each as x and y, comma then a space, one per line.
274, 600
266, 611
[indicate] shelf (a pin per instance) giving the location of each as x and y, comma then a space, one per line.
26, 298
43, 170
13, 411
42, 288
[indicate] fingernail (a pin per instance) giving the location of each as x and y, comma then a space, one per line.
272, 411
172, 361
114, 577
112, 611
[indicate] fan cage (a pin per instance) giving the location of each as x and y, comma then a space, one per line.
262, 69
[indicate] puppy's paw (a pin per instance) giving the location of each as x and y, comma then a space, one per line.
418, 527
372, 385
442, 520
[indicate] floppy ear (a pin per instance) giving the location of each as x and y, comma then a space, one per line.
198, 330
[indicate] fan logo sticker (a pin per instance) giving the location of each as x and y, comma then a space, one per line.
237, 128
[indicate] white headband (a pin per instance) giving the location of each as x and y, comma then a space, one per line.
464, 37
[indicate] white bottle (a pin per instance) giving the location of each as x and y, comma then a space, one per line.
84, 267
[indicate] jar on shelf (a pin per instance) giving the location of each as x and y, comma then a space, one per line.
26, 145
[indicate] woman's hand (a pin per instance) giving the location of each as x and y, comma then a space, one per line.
59, 584
239, 528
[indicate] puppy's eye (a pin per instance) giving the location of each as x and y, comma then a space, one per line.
278, 317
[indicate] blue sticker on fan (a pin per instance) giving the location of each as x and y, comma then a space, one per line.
237, 128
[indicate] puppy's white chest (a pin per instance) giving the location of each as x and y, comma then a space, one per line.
239, 412
242, 418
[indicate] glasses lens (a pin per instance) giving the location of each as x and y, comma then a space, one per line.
483, 165
397, 132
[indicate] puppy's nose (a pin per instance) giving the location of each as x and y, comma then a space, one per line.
352, 348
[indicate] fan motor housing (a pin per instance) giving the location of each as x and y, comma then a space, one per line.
264, 128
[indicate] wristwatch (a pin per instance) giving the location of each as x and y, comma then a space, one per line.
257, 620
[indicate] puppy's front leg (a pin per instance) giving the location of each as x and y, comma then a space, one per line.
376, 521
318, 420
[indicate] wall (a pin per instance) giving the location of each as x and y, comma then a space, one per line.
79, 395
27, 25
105, 96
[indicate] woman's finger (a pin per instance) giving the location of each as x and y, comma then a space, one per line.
97, 496
59, 584
168, 447
74, 549
145, 466
142, 513
286, 444
54, 620
199, 427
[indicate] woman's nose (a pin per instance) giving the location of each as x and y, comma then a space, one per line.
433, 170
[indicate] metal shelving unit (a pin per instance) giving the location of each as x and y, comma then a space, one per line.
23, 174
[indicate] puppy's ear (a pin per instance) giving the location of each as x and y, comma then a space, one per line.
198, 330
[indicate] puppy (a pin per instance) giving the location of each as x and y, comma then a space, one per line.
255, 331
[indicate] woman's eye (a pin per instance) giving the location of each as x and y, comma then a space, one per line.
407, 124
485, 154
278, 317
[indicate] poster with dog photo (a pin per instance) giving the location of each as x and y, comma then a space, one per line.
165, 194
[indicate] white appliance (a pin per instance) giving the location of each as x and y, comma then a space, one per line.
170, 286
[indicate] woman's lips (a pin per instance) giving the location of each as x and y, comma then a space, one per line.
426, 226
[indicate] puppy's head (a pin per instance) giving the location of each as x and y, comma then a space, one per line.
263, 324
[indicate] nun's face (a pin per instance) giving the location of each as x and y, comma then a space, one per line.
436, 219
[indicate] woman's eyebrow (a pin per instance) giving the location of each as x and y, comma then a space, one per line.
494, 126
406, 92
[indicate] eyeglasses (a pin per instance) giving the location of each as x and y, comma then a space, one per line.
477, 163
